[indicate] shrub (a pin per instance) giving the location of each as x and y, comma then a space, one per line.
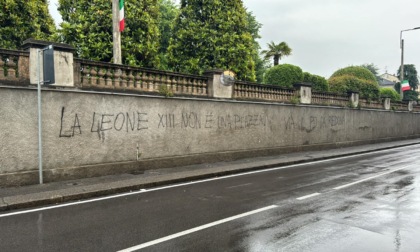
391, 93
284, 75
355, 78
319, 83
356, 71
345, 83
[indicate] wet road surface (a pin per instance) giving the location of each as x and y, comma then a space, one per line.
366, 202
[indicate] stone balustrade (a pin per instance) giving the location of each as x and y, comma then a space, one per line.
14, 67
372, 104
331, 99
98, 75
246, 90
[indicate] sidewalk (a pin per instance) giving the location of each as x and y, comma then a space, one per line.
58, 192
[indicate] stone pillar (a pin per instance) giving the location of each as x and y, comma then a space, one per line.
305, 92
215, 87
63, 62
410, 105
354, 98
387, 103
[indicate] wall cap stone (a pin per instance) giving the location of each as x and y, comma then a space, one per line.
33, 43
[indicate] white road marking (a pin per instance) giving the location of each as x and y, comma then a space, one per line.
189, 183
308, 196
370, 178
196, 229
236, 186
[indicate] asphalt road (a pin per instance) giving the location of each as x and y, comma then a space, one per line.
366, 202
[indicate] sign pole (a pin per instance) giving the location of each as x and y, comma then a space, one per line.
39, 120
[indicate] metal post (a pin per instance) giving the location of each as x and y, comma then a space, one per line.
116, 34
402, 69
39, 120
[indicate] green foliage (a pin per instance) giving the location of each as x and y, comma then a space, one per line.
345, 83
390, 93
212, 34
277, 51
295, 100
163, 90
284, 75
356, 71
87, 25
23, 19
319, 83
411, 95
355, 78
410, 74
168, 13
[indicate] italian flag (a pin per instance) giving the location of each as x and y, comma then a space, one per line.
122, 21
405, 86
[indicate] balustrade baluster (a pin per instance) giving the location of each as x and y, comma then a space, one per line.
101, 77
137, 83
85, 75
123, 80
108, 78
117, 78
11, 64
144, 82
2, 67
93, 76
150, 85
130, 78
172, 83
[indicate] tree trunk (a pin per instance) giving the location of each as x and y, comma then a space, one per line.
276, 60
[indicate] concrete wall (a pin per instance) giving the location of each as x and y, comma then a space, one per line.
86, 134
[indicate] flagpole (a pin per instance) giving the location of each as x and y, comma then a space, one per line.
116, 34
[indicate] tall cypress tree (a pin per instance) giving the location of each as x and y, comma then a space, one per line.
212, 34
23, 19
87, 25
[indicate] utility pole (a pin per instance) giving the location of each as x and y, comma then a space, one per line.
116, 34
402, 68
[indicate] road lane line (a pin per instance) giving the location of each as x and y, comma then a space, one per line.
370, 178
236, 186
308, 196
196, 229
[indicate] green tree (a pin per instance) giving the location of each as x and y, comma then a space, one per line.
23, 19
212, 34
277, 51
168, 12
87, 25
410, 74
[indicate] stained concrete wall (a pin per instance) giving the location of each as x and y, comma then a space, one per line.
87, 134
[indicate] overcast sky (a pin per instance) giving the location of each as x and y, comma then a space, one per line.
326, 35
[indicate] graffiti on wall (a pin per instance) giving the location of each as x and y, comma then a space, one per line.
71, 124
311, 123
98, 123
